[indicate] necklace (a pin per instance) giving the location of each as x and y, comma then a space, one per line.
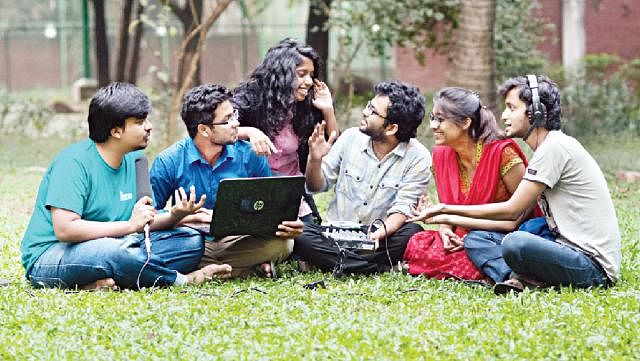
464, 176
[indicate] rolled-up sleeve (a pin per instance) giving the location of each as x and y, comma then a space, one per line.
414, 184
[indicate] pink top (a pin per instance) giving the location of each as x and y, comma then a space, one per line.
285, 162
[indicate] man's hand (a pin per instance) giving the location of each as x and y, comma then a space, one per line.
290, 229
143, 213
186, 205
322, 96
318, 145
261, 143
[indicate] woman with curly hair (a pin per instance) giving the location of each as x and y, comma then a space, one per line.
279, 104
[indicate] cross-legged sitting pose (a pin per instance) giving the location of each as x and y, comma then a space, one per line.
571, 190
210, 153
472, 164
379, 172
84, 228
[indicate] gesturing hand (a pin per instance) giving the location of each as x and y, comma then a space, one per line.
184, 205
425, 210
318, 145
322, 96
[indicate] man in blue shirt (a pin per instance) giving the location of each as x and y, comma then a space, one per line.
84, 230
210, 153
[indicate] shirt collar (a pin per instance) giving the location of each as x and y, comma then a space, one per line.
193, 154
400, 150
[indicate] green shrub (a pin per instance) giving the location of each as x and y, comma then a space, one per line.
22, 114
598, 103
516, 35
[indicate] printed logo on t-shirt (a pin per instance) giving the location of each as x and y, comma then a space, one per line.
532, 171
125, 196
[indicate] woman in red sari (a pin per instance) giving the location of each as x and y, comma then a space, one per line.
472, 164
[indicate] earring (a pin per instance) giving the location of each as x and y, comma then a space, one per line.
205, 134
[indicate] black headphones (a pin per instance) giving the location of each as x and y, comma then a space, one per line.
538, 111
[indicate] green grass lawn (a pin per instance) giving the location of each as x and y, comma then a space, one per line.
390, 316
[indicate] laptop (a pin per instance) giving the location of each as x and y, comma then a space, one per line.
254, 206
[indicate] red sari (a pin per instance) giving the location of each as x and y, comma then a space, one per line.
425, 253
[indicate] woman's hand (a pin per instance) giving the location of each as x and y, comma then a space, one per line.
260, 142
452, 242
322, 96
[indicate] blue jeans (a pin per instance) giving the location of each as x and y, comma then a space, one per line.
550, 261
484, 249
67, 265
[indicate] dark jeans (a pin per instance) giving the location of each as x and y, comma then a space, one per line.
316, 249
551, 262
530, 255
66, 265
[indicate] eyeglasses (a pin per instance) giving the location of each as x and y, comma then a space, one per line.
373, 110
434, 118
233, 117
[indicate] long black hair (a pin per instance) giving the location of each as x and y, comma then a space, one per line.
457, 104
266, 100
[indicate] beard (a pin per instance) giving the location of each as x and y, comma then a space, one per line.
375, 134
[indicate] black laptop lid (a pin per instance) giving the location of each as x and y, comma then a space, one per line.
255, 206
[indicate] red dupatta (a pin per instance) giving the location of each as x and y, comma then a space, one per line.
485, 180
425, 253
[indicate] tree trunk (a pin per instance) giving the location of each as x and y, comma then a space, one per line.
573, 37
135, 51
189, 23
191, 68
317, 35
123, 39
472, 50
102, 45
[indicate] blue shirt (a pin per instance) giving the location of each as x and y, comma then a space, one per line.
182, 165
80, 181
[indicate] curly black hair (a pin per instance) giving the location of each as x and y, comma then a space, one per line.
200, 103
457, 104
112, 105
266, 99
549, 97
406, 107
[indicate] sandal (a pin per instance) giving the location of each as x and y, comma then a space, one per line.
510, 285
517, 285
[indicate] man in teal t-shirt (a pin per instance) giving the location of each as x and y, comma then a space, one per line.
84, 230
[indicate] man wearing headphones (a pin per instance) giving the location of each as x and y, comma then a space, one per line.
583, 249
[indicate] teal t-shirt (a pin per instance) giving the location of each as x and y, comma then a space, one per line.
79, 180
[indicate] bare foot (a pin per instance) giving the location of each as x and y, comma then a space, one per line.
209, 272
101, 284
266, 269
